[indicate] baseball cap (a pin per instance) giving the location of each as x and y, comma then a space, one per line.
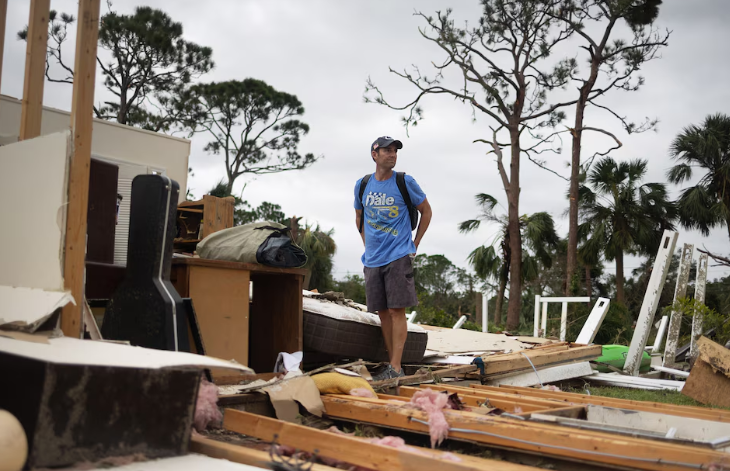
385, 141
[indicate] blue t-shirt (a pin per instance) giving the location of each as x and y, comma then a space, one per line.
387, 224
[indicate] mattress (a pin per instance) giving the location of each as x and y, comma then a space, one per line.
345, 332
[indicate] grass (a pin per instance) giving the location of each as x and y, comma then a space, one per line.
666, 397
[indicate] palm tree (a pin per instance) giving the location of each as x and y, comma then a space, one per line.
538, 235
621, 216
320, 248
707, 204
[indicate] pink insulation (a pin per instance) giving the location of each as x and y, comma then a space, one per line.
363, 392
393, 442
206, 407
433, 403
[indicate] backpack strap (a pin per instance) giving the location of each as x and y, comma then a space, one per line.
363, 185
400, 180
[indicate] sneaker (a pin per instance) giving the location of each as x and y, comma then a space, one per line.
396, 374
387, 373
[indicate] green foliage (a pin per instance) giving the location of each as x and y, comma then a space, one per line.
706, 147
688, 307
619, 215
320, 248
151, 63
666, 397
251, 124
353, 287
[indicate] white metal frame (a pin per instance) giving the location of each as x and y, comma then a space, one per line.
651, 300
563, 316
594, 321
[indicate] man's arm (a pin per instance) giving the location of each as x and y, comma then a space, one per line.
426, 213
358, 217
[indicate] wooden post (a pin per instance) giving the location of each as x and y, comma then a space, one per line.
593, 323
675, 319
35, 69
563, 321
536, 325
544, 318
697, 318
3, 19
78, 190
650, 303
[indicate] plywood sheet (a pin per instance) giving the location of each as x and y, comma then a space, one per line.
221, 300
33, 176
462, 341
707, 386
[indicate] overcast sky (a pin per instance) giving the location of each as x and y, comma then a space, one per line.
323, 52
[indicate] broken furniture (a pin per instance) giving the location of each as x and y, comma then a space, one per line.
196, 220
233, 325
145, 309
83, 400
338, 332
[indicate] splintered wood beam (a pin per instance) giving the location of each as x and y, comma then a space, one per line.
719, 415
517, 361
35, 70
354, 450
3, 20
474, 398
87, 36
534, 437
240, 454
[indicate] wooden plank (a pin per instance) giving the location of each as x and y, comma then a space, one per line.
541, 404
686, 411
78, 192
354, 450
544, 439
650, 302
3, 20
675, 319
35, 71
252, 267
595, 319
516, 361
241, 454
221, 303
425, 377
507, 404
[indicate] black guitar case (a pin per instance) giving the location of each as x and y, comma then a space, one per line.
146, 309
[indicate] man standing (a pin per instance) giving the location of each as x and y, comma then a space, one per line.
382, 216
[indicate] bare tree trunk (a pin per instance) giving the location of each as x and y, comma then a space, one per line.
620, 277
573, 197
589, 282
515, 238
229, 186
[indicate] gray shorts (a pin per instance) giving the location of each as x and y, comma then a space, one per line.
391, 286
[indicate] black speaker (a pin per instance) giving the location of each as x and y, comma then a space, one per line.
146, 309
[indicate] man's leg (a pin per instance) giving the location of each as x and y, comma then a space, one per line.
399, 333
386, 325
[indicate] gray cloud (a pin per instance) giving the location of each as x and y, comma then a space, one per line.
323, 51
